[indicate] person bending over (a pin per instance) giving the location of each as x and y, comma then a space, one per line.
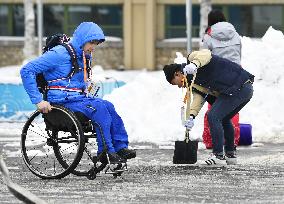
232, 88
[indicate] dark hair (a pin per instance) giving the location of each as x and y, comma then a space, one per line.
215, 16
170, 70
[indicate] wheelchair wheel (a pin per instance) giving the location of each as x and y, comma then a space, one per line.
52, 144
89, 161
86, 162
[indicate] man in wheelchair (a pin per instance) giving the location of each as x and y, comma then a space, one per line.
68, 88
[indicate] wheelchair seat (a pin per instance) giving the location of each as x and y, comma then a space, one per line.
59, 121
85, 122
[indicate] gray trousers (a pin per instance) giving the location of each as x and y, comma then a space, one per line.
219, 118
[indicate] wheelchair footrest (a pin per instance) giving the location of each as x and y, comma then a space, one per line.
116, 169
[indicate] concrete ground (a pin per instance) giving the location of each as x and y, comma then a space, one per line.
153, 178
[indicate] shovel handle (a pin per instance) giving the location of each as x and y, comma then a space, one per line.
186, 136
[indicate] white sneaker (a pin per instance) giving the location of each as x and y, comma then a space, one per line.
214, 160
231, 159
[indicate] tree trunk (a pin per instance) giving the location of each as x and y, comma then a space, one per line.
205, 8
29, 43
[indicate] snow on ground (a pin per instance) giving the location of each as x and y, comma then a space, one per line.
150, 107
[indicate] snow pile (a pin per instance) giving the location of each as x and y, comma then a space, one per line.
264, 58
150, 106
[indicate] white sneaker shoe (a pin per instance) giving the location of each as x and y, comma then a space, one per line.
231, 159
214, 160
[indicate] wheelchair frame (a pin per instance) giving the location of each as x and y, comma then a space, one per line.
61, 142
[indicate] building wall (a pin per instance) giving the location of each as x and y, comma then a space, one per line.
110, 54
166, 51
138, 41
139, 34
11, 55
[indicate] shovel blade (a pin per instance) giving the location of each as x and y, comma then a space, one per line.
185, 153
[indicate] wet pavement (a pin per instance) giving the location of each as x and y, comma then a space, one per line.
153, 178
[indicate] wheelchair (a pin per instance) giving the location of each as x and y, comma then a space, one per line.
61, 142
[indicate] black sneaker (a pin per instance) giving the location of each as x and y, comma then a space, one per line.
127, 153
113, 158
231, 158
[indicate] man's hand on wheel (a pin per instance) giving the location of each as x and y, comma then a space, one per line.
44, 106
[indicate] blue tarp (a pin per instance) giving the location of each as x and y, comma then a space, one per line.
14, 99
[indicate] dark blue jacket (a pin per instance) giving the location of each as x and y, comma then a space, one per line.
221, 75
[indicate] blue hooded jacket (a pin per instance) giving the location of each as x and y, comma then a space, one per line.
56, 64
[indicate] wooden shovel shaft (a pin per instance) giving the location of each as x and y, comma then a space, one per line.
189, 92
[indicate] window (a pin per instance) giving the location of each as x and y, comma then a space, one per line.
18, 20
249, 20
265, 16
4, 27
253, 21
11, 20
109, 17
59, 18
53, 19
76, 15
176, 21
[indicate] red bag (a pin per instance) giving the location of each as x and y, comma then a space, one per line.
207, 139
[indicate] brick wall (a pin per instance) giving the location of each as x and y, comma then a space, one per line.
11, 55
166, 51
110, 55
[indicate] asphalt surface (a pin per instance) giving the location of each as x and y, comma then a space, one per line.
153, 178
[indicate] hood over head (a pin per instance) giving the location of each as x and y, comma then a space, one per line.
86, 32
223, 31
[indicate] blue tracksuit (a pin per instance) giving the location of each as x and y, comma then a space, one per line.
56, 64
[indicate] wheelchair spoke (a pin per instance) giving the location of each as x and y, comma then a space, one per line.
38, 126
33, 157
68, 148
54, 166
87, 151
61, 140
39, 134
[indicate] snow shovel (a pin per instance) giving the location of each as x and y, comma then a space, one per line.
186, 151
18, 191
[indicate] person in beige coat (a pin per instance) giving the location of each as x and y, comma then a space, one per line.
223, 79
